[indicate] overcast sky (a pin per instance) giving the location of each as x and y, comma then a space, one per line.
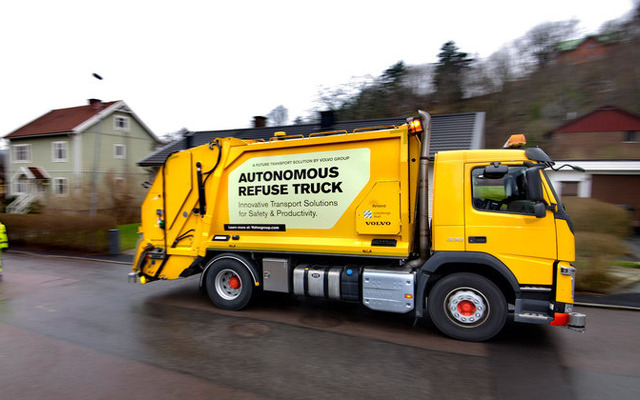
208, 65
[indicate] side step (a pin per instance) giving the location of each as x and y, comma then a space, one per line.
532, 311
532, 318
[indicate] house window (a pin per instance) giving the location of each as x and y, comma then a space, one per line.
22, 185
121, 123
119, 151
631, 136
60, 186
21, 153
60, 151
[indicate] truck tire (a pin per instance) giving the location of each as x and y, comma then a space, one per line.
229, 284
467, 306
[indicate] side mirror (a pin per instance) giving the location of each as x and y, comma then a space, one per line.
540, 210
495, 171
534, 185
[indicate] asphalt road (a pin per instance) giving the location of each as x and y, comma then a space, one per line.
75, 329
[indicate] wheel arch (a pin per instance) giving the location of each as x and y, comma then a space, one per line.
246, 262
446, 263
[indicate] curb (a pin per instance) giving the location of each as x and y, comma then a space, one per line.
607, 306
629, 300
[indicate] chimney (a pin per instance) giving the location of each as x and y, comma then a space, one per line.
327, 119
259, 121
95, 104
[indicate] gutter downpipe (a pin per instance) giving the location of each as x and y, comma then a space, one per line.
423, 190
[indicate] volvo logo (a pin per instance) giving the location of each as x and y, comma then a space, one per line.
455, 239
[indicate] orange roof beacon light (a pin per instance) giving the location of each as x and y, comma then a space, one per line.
515, 141
415, 126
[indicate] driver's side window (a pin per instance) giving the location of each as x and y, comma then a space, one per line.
507, 193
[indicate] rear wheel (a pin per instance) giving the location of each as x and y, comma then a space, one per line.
229, 284
467, 306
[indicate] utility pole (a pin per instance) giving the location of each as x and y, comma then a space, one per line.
96, 159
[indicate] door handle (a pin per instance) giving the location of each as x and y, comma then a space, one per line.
477, 239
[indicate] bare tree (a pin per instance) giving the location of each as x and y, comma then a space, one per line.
502, 67
539, 45
278, 116
120, 189
334, 98
170, 137
419, 79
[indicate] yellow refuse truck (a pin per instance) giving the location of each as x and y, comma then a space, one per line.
350, 216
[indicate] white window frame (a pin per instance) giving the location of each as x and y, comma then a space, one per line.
20, 147
54, 150
116, 154
121, 123
60, 183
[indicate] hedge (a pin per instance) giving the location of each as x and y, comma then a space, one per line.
590, 215
60, 232
601, 229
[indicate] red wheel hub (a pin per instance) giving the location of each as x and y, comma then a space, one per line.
466, 308
234, 282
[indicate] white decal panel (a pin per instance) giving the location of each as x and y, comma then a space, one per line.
296, 191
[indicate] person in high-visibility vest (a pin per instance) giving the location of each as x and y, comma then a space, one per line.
4, 243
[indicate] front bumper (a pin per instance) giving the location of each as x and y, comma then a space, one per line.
573, 320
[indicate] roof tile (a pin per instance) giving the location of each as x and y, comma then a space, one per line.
603, 119
57, 121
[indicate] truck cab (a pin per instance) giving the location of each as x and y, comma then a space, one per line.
497, 217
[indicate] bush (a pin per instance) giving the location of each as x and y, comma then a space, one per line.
7, 200
592, 244
74, 233
594, 255
590, 215
600, 232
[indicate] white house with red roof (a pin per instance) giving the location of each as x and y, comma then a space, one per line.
68, 154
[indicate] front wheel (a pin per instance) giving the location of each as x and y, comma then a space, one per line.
467, 306
229, 284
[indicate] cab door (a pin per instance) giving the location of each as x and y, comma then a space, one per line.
500, 220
